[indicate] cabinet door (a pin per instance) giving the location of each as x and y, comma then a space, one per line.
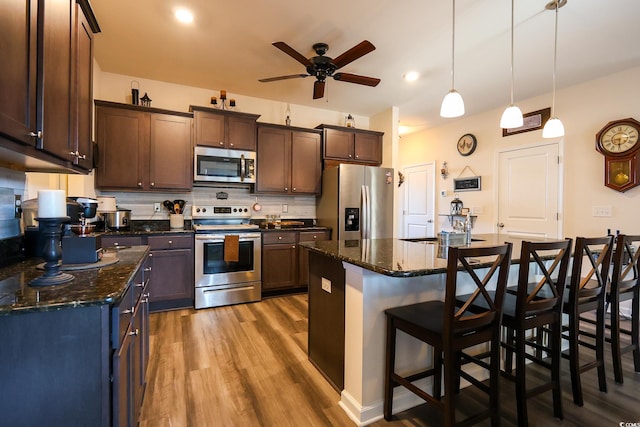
171, 275
18, 27
170, 153
303, 253
82, 108
272, 173
57, 90
209, 129
306, 163
279, 267
123, 136
338, 144
241, 133
122, 392
368, 148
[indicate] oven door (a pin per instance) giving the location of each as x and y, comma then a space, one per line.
219, 165
212, 270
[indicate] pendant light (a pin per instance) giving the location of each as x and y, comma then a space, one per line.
452, 104
554, 127
512, 116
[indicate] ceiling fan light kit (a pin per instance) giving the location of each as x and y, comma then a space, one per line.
554, 127
452, 104
321, 66
512, 116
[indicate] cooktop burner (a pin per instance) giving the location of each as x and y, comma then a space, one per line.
210, 218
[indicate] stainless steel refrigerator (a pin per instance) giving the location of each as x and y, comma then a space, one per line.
356, 202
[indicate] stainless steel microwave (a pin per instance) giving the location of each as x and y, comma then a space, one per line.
220, 165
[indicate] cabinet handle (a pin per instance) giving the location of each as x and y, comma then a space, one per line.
140, 285
357, 157
315, 237
116, 244
37, 134
128, 311
349, 155
231, 144
294, 246
171, 242
147, 268
77, 155
279, 237
153, 184
221, 143
294, 189
139, 184
150, 256
286, 188
134, 333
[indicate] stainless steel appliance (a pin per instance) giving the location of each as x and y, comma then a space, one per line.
117, 220
218, 280
357, 202
220, 165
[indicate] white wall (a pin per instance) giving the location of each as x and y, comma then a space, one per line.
584, 110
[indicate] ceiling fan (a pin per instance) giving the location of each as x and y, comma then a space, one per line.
322, 66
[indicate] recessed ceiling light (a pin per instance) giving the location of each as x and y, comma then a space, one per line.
185, 16
411, 76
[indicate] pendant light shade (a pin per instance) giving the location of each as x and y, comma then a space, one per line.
512, 116
452, 104
554, 127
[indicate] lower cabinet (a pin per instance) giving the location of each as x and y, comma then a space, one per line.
171, 267
284, 262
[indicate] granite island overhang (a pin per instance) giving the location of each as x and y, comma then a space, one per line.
379, 274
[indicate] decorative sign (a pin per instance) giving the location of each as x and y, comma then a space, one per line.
532, 121
471, 183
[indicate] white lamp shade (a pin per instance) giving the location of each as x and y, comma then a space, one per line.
452, 105
511, 118
553, 128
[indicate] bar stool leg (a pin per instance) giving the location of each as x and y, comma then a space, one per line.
602, 379
616, 354
521, 384
389, 367
574, 359
556, 332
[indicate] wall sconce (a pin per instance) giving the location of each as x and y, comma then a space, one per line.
444, 172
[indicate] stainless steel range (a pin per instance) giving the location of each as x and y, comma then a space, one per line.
227, 256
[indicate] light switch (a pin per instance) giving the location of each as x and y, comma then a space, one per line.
326, 285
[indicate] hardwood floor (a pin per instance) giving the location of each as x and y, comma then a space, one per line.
246, 365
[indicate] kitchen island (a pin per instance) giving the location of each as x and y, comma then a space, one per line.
378, 274
74, 353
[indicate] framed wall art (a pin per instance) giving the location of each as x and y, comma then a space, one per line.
532, 121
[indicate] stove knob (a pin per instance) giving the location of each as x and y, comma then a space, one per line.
235, 210
204, 210
246, 210
197, 209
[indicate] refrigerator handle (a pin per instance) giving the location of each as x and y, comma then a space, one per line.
364, 234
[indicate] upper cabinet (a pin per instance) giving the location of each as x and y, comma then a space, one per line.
224, 128
143, 148
45, 110
352, 145
289, 160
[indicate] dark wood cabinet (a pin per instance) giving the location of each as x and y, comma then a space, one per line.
171, 266
279, 261
303, 253
142, 148
352, 145
224, 128
289, 160
172, 272
46, 87
285, 264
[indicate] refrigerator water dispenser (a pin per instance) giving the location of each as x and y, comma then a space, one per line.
352, 219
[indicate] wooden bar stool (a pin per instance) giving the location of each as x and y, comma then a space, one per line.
587, 294
450, 328
536, 305
625, 286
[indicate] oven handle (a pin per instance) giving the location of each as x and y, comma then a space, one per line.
220, 237
242, 168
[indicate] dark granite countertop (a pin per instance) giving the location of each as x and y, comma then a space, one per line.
142, 227
296, 228
401, 258
94, 286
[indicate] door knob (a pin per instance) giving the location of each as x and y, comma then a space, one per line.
430, 221
500, 224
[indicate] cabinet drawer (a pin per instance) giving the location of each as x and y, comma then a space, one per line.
121, 317
310, 236
278, 237
109, 241
170, 242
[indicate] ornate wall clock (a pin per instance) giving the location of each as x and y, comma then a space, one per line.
619, 143
467, 144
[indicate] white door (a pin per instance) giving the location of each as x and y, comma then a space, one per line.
529, 190
418, 201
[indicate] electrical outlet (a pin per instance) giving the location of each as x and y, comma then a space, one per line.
326, 285
285, 208
602, 211
156, 207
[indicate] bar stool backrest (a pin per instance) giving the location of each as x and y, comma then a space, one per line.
598, 251
625, 263
464, 321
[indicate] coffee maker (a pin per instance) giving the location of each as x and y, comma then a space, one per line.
80, 244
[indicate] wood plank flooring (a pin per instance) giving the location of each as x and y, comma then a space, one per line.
246, 365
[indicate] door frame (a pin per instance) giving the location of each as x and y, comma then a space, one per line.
496, 173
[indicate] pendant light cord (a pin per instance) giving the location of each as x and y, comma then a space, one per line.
453, 44
512, 52
555, 55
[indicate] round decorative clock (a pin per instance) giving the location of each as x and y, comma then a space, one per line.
467, 144
618, 142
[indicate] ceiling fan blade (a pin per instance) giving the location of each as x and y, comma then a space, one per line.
291, 76
353, 54
318, 89
354, 78
292, 53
